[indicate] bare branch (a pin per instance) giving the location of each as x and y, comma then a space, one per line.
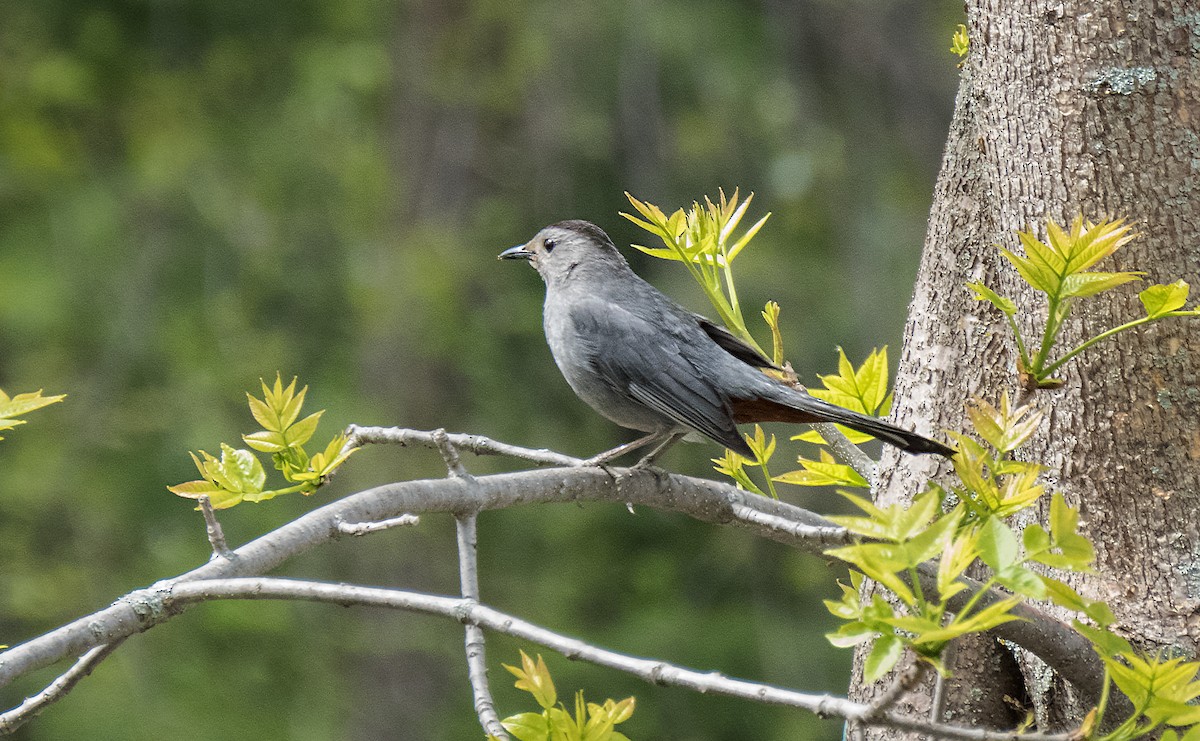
216, 536
468, 568
468, 576
829, 535
477, 444
708, 501
906, 681
938, 704
362, 528
56, 690
649, 670
449, 454
846, 451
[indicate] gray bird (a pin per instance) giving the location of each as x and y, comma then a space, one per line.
646, 363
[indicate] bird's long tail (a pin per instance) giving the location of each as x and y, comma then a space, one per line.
791, 405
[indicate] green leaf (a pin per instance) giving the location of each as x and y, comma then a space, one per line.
1006, 428
871, 379
1035, 539
1088, 243
1080, 285
851, 634
1034, 274
741, 243
528, 726
1100, 612
883, 656
997, 545
985, 619
300, 432
960, 42
661, 253
16, 406
983, 293
1106, 644
534, 678
1021, 580
881, 562
955, 559
1163, 299
733, 465
261, 412
1061, 594
265, 441
812, 436
825, 472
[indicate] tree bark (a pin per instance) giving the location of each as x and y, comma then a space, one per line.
1067, 108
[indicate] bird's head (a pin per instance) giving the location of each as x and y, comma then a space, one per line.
561, 249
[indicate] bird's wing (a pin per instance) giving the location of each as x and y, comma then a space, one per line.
643, 360
733, 344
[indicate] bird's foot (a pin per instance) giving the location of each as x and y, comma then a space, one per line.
661, 475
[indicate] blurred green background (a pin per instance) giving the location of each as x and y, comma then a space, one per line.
195, 195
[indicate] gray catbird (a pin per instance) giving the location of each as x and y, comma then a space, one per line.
648, 364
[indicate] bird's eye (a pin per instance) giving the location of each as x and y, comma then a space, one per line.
550, 244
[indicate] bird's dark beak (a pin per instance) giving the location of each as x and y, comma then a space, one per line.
515, 253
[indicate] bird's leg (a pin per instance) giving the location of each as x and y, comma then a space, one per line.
601, 458
648, 460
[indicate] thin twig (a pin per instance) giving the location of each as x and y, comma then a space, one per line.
650, 670
938, 705
56, 690
362, 528
468, 577
477, 444
829, 535
468, 569
905, 682
216, 536
846, 451
449, 454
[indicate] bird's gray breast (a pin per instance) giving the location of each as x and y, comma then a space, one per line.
584, 343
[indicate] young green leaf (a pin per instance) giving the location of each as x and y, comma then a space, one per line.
883, 656
734, 466
534, 678
1160, 300
825, 472
21, 404
998, 546
1081, 285
960, 42
983, 293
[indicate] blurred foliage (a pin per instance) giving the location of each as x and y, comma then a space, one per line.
194, 196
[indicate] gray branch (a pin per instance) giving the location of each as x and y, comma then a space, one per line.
58, 689
846, 451
477, 444
708, 501
651, 671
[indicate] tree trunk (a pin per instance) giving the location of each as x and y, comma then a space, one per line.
1066, 108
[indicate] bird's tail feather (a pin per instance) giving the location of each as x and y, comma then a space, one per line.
791, 405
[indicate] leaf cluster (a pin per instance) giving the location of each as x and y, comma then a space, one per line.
960, 42
238, 475
702, 238
12, 407
1060, 269
957, 528
863, 389
1162, 690
591, 722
